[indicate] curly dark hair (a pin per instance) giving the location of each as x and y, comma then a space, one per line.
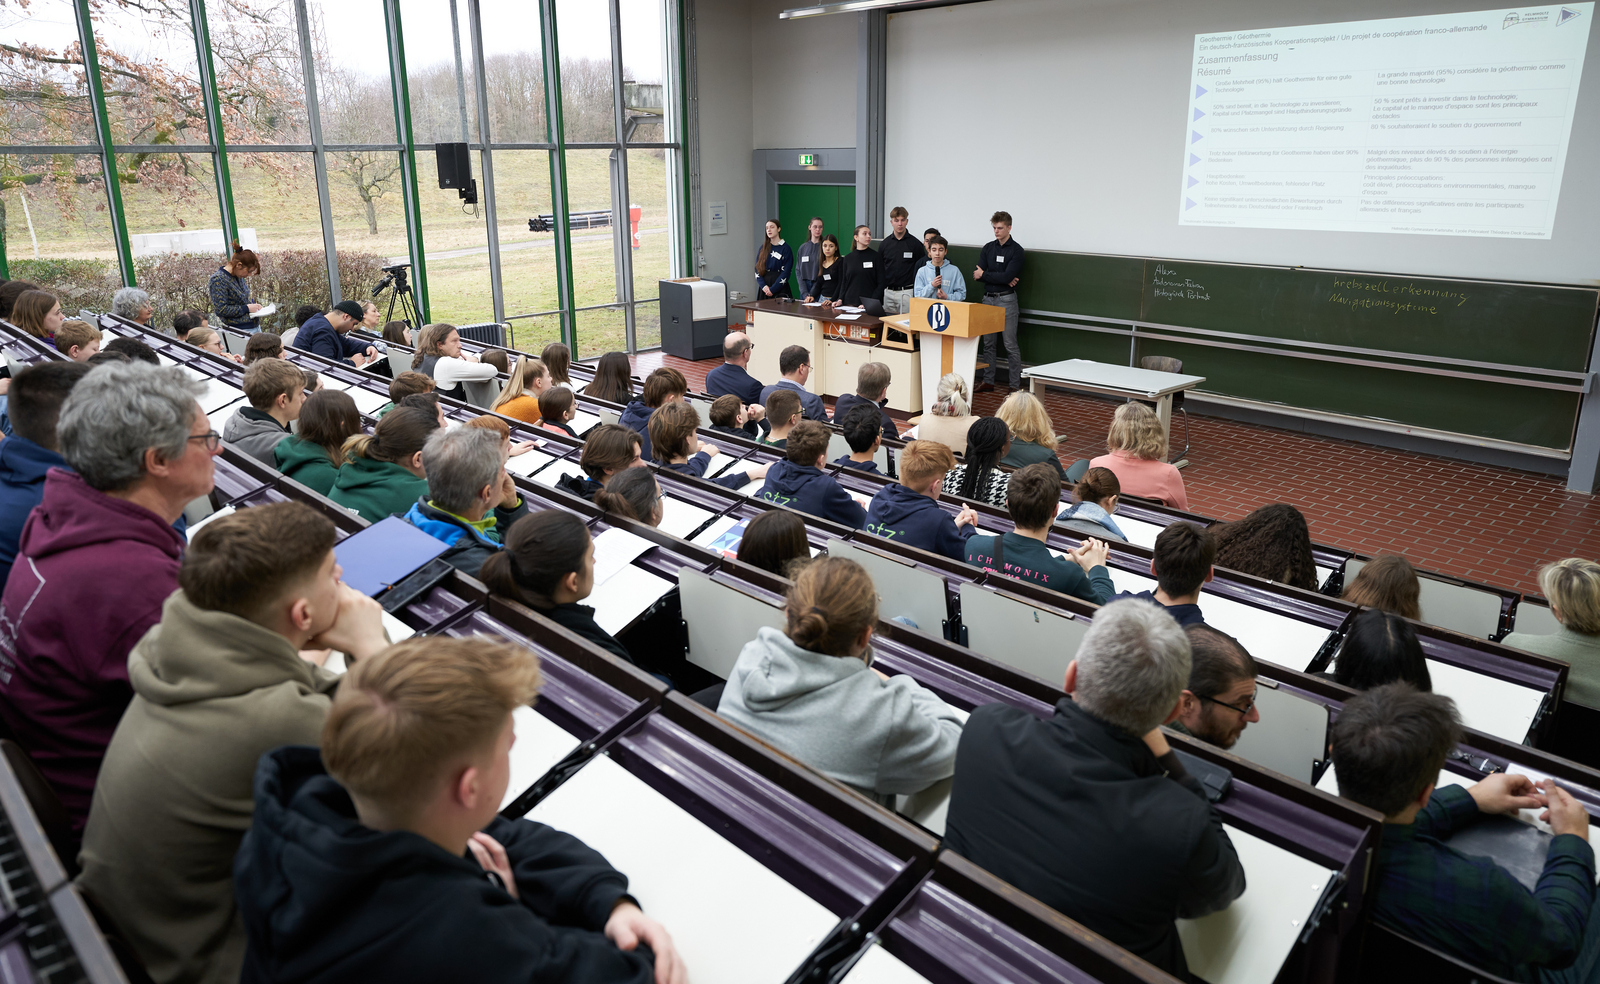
1273, 542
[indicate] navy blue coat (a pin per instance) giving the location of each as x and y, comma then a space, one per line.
319, 337
843, 405
811, 405
726, 379
636, 416
911, 517
807, 489
22, 467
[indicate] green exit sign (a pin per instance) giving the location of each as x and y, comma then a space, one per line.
808, 160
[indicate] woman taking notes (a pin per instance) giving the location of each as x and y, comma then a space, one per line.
774, 260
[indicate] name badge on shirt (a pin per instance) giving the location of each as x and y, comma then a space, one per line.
907, 254
867, 265
827, 276
999, 257
777, 255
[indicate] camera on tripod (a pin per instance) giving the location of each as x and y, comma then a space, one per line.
396, 275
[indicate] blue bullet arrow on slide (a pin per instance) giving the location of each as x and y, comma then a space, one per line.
1193, 181
1188, 203
1194, 158
1199, 91
1198, 112
1194, 136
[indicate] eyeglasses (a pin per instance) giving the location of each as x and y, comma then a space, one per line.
212, 439
1249, 705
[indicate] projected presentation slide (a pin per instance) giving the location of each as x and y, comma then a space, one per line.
1447, 124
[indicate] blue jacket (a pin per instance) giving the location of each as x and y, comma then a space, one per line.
22, 467
843, 405
319, 337
807, 489
811, 405
780, 262
468, 547
866, 466
955, 286
911, 517
230, 300
1184, 615
725, 379
696, 466
636, 416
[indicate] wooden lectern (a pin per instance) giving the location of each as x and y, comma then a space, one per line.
949, 333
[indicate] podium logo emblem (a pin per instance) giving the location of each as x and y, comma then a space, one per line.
938, 317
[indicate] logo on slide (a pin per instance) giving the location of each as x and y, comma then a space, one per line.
1520, 18
1567, 13
938, 317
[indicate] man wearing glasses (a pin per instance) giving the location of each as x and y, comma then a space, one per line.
1220, 701
794, 363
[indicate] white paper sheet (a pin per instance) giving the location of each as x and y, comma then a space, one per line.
556, 472
615, 549
527, 463
680, 518
846, 317
265, 312
625, 596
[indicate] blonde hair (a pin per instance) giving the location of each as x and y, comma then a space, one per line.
404, 718
921, 461
1136, 429
832, 600
952, 399
1573, 587
526, 368
1025, 416
199, 337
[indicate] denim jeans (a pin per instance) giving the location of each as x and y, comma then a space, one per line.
990, 347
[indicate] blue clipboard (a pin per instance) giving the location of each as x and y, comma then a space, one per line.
381, 555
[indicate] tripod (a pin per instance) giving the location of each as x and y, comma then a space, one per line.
402, 296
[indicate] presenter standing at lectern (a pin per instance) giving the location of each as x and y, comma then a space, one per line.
774, 260
938, 279
999, 271
903, 254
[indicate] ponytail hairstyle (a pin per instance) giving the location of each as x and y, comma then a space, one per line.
428, 342
400, 434
832, 600
1097, 485
329, 419
243, 259
557, 358
541, 549
763, 251
632, 493
986, 444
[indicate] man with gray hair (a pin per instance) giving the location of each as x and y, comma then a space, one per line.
1089, 810
471, 499
872, 388
133, 304
95, 561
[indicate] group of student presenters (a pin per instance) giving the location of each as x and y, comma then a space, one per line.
247, 813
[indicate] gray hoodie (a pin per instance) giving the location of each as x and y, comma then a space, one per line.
255, 433
837, 716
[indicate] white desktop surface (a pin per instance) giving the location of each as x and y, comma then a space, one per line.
581, 422
625, 596
680, 518
1139, 532
752, 487
197, 527
556, 472
219, 395
879, 966
540, 744
1105, 375
527, 463
1266, 635
723, 524
1247, 942
367, 401
733, 920
1499, 707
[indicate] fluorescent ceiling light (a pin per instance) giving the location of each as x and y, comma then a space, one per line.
858, 6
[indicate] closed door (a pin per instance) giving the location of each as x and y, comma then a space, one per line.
798, 203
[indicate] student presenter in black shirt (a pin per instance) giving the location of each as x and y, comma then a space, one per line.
999, 271
863, 275
903, 254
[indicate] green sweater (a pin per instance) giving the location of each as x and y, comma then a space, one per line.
1582, 651
306, 463
376, 490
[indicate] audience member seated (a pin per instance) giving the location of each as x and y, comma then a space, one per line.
794, 363
133, 349
810, 691
499, 358
1220, 701
799, 482
77, 340
304, 313
1181, 564
313, 381
406, 384
1273, 542
548, 565
328, 335
428, 402
610, 448
1090, 811
276, 391
383, 474
10, 291
979, 478
730, 415
1032, 439
36, 395
557, 408
1388, 747
1034, 493
471, 501
775, 541
1573, 589
1097, 495
519, 398
186, 321
1388, 582
872, 383
557, 359
663, 386
1381, 648
369, 317
907, 512
402, 817
218, 684
132, 304
489, 421
210, 341
396, 333
439, 355
38, 314
263, 345
140, 449
733, 378
950, 417
783, 412
633, 494
1136, 448
860, 429
613, 380
675, 444
313, 454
